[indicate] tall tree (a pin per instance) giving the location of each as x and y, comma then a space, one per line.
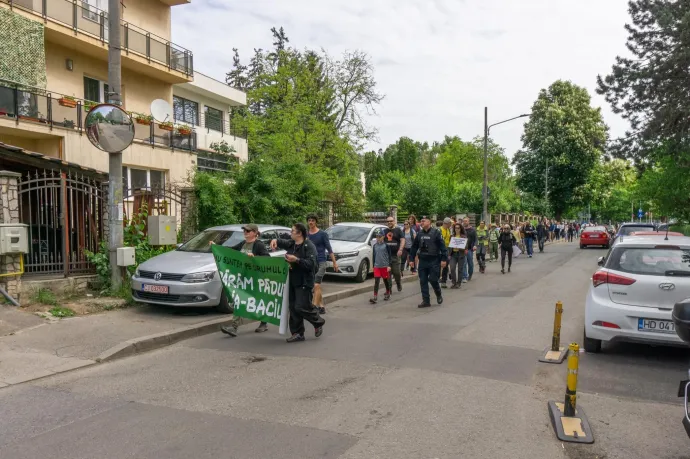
652, 88
565, 130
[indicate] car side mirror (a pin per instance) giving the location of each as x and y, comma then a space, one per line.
600, 261
179, 245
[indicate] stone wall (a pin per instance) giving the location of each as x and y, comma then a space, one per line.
9, 213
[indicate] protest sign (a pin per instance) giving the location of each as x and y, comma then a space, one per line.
256, 287
458, 243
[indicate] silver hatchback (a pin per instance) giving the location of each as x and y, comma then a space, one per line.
188, 276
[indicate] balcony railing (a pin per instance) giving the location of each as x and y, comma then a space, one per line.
82, 17
56, 110
221, 125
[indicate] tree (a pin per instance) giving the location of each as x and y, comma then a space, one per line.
355, 92
565, 130
652, 89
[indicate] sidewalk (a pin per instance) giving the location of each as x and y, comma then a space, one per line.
33, 347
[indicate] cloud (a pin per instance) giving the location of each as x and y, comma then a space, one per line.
439, 62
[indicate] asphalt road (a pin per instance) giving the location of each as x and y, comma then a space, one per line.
459, 380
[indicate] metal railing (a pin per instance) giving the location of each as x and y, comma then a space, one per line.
57, 110
83, 17
222, 125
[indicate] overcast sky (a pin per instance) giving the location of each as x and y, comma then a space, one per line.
439, 62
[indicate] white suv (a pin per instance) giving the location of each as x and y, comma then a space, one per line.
351, 243
632, 295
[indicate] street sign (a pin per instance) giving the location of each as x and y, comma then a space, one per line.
640, 213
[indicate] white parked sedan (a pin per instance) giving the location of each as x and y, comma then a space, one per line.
351, 243
633, 293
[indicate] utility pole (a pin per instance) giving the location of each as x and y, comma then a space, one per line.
485, 208
115, 198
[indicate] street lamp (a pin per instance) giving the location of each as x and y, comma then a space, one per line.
487, 127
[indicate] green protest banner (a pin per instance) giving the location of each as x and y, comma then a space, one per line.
255, 286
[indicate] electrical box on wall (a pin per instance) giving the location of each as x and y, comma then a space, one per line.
14, 238
162, 230
125, 256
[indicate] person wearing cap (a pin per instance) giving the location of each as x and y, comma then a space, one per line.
252, 247
430, 255
381, 253
445, 234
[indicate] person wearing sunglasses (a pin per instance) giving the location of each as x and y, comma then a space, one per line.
252, 247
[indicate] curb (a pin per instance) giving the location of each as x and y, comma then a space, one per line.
159, 340
336, 296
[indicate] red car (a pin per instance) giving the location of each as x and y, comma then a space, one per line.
595, 235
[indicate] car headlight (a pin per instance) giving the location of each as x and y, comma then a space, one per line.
341, 255
199, 277
136, 273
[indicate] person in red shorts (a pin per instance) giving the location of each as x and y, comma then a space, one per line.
382, 262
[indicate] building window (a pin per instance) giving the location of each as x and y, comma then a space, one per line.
95, 90
139, 179
207, 161
214, 119
186, 111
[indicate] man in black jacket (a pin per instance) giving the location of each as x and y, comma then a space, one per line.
253, 247
301, 254
430, 255
542, 230
471, 247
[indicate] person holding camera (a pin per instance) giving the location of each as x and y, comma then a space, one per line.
430, 255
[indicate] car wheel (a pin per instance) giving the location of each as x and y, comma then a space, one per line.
607, 246
592, 345
224, 305
582, 246
363, 271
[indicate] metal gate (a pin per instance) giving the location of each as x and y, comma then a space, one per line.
64, 212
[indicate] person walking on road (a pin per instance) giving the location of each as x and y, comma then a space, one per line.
381, 254
457, 257
471, 244
430, 254
413, 223
445, 233
320, 240
301, 255
482, 245
507, 241
396, 242
410, 234
530, 236
493, 242
542, 232
252, 247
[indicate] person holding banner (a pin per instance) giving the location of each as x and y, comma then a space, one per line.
253, 247
458, 243
301, 255
430, 255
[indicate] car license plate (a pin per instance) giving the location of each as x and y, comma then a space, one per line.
155, 288
656, 326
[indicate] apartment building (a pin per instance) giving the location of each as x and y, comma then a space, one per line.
53, 69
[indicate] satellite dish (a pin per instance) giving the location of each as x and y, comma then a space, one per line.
161, 110
109, 128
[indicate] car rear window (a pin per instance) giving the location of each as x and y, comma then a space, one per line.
599, 229
650, 261
627, 230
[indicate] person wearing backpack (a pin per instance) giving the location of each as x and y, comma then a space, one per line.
301, 255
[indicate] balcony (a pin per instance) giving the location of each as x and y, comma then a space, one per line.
53, 110
85, 28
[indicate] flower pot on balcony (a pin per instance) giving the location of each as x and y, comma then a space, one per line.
166, 127
145, 122
184, 131
66, 102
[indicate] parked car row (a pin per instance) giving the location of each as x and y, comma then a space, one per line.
632, 294
188, 276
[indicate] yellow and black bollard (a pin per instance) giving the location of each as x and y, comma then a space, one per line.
571, 381
569, 421
556, 353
